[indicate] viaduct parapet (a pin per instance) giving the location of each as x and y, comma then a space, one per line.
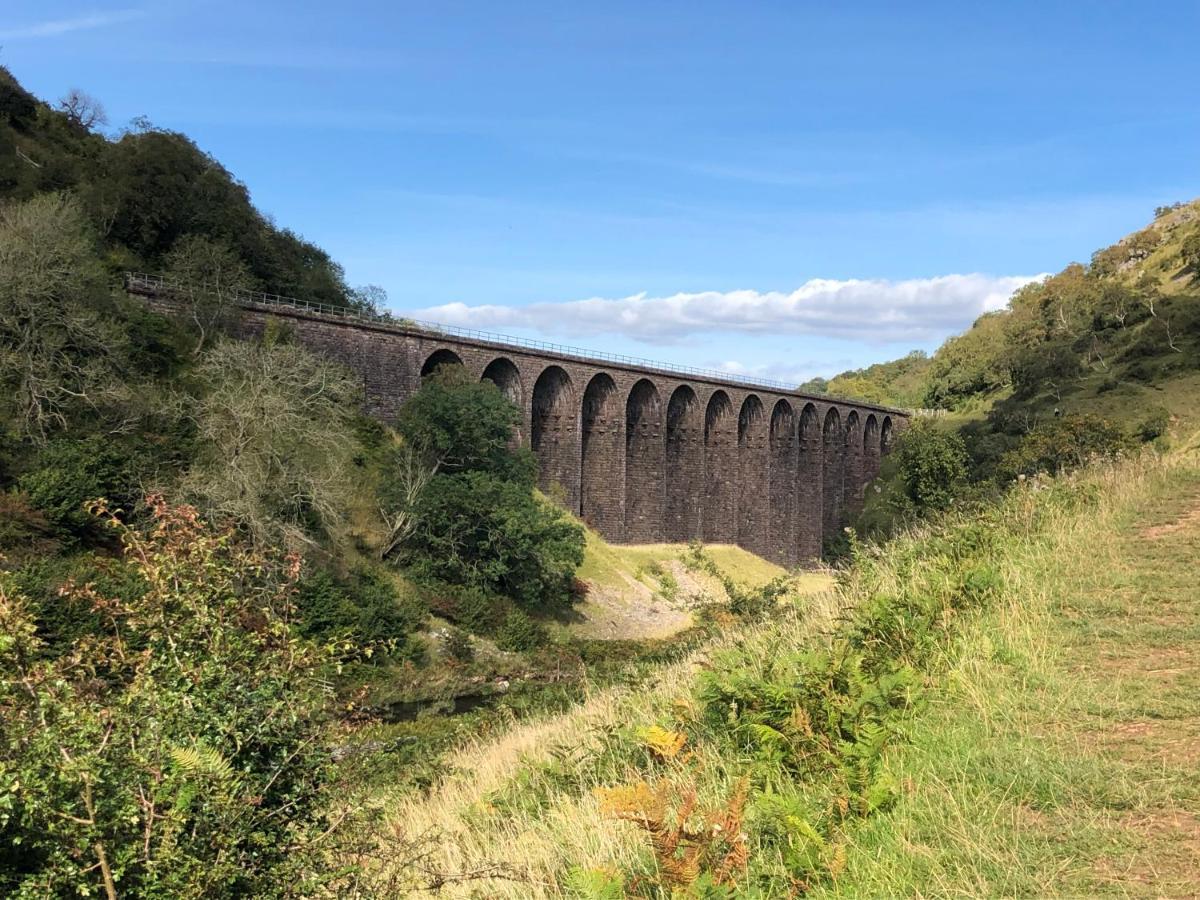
641, 453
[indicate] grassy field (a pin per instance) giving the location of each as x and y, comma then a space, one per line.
1047, 743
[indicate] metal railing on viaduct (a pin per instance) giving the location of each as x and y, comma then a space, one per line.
642, 451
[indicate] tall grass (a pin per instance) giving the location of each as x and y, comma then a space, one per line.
832, 714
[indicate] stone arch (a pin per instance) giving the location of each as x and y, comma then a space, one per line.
870, 449
439, 358
781, 522
887, 436
684, 466
504, 374
852, 472
832, 497
809, 503
554, 435
720, 470
644, 457
752, 478
602, 479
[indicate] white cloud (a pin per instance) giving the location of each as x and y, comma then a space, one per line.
874, 311
793, 371
55, 27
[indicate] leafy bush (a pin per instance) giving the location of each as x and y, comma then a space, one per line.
471, 607
932, 465
176, 750
459, 646
1154, 425
478, 530
69, 472
25, 534
1190, 253
472, 520
520, 633
365, 607
1064, 443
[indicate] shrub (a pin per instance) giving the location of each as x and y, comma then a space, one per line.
932, 465
365, 607
474, 609
1190, 253
1063, 444
176, 751
478, 530
459, 646
24, 531
71, 472
1153, 426
520, 633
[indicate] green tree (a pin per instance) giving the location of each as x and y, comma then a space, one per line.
481, 530
475, 520
973, 363
932, 465
464, 425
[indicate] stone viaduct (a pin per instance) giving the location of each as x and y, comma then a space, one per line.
640, 453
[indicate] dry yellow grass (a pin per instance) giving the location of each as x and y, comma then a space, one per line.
470, 835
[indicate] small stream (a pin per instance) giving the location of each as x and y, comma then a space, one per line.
407, 710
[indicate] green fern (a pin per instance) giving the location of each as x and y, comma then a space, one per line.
203, 760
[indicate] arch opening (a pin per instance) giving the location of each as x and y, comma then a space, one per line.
644, 463
833, 498
504, 374
870, 450
602, 478
439, 359
753, 481
720, 470
684, 466
809, 499
554, 435
852, 472
781, 524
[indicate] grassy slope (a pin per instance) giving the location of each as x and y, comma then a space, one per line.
524, 798
645, 590
1061, 756
1054, 756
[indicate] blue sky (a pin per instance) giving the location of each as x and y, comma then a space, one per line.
781, 188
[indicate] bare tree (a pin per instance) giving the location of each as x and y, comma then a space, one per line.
1171, 337
58, 353
274, 428
83, 109
206, 275
413, 472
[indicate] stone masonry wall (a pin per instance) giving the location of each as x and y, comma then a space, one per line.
641, 454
